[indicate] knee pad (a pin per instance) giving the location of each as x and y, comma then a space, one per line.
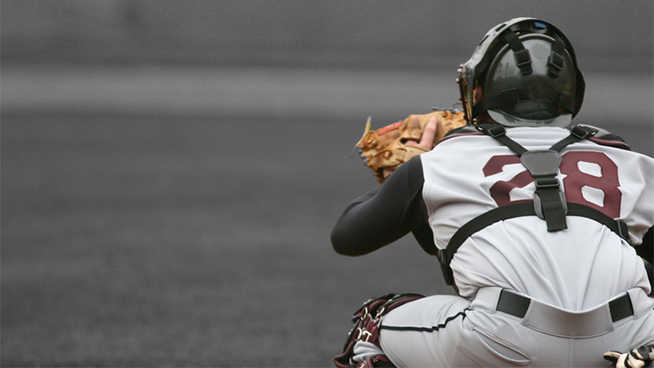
367, 321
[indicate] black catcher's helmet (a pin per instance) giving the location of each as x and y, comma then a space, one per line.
528, 74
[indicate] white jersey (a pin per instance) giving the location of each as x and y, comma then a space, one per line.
527, 296
574, 269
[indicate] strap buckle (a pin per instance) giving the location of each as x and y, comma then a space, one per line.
555, 64
547, 182
623, 230
493, 130
550, 203
538, 205
523, 61
448, 274
511, 96
581, 132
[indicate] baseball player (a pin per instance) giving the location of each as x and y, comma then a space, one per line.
535, 224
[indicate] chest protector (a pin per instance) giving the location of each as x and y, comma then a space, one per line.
549, 201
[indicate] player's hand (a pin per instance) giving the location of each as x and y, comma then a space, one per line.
425, 143
637, 358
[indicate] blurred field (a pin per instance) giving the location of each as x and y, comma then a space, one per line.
155, 241
158, 226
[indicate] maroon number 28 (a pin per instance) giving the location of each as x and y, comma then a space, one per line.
603, 178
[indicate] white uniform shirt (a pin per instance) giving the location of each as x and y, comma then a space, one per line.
575, 269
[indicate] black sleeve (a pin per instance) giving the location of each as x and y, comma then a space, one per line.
385, 214
646, 249
650, 275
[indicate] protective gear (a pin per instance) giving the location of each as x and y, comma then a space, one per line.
524, 73
369, 355
549, 201
362, 349
637, 358
385, 148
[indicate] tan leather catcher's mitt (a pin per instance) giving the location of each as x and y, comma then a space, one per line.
386, 148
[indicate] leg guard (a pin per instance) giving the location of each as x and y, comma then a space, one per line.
365, 332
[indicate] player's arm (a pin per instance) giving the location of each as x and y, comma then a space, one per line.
383, 215
646, 249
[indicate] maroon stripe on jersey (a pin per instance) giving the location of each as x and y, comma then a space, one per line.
610, 142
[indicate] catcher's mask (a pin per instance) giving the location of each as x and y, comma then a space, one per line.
523, 73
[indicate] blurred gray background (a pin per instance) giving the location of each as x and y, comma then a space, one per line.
324, 32
171, 170
294, 57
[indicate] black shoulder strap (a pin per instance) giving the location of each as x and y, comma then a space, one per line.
577, 133
498, 132
520, 54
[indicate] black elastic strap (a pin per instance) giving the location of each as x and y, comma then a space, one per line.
482, 221
513, 304
566, 101
499, 133
517, 305
555, 61
577, 133
521, 55
621, 308
617, 226
526, 209
552, 202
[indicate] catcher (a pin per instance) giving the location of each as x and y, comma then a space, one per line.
535, 222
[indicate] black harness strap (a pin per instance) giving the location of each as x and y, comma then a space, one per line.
555, 62
519, 210
527, 209
520, 54
577, 133
499, 133
549, 201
